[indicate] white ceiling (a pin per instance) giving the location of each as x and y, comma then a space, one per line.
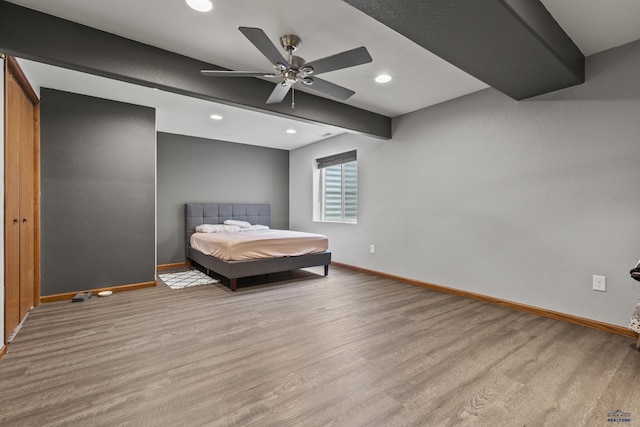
420, 79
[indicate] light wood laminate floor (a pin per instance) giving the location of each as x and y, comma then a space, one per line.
349, 349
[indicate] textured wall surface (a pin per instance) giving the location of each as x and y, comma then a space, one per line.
195, 170
523, 201
98, 193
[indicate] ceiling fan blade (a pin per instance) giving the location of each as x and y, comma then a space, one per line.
220, 73
264, 45
279, 93
350, 58
329, 88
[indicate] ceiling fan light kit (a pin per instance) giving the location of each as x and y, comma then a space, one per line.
294, 69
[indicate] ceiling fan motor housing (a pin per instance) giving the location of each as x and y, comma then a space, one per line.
296, 71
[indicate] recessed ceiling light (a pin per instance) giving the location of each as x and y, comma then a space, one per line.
383, 78
216, 116
291, 131
200, 5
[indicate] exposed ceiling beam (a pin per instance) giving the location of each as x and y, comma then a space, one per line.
44, 38
515, 46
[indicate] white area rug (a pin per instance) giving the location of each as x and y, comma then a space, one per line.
185, 279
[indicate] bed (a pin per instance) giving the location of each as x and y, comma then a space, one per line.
217, 213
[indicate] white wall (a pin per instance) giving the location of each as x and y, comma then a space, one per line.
523, 201
2, 198
28, 73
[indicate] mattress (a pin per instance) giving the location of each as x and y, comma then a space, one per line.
245, 245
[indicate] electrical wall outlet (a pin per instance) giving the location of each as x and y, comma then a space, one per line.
600, 283
372, 249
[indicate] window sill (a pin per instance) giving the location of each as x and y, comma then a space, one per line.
335, 221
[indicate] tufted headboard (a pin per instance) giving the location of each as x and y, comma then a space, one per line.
217, 213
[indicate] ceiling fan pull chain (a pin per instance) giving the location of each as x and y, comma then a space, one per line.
293, 96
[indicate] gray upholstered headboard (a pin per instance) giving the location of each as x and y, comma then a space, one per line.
217, 213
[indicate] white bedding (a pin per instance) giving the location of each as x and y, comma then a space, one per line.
245, 245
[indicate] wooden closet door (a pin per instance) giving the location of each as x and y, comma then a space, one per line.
13, 127
20, 204
26, 219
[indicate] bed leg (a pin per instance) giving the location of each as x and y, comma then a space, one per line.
326, 270
233, 285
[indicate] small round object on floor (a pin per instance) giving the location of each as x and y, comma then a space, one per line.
104, 293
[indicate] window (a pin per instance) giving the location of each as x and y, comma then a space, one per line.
339, 187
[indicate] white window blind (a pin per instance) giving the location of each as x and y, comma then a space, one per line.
339, 186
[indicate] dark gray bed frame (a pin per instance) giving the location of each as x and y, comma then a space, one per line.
217, 213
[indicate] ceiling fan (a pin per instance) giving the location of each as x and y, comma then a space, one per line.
294, 69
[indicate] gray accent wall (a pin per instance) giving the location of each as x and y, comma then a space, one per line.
523, 201
194, 170
98, 193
